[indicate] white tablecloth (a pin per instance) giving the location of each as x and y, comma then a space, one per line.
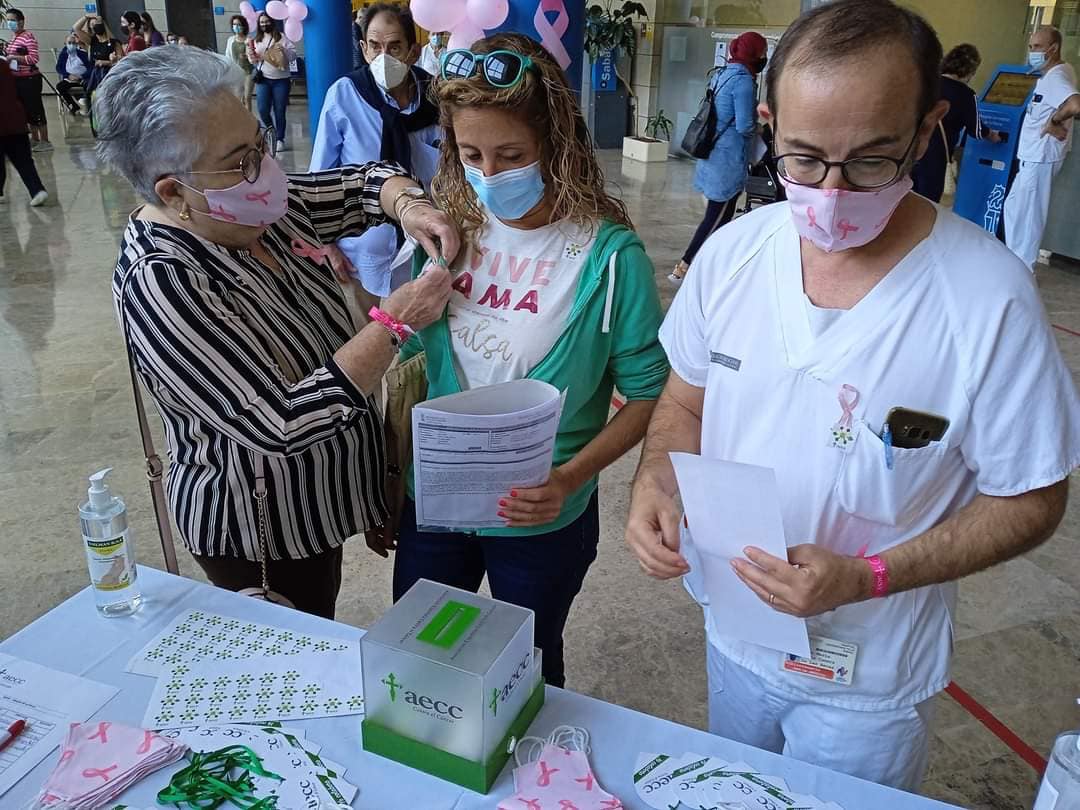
74, 638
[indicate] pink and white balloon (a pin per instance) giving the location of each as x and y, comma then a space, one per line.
248, 12
277, 10
292, 12
466, 20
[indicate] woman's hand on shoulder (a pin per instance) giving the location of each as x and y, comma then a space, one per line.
421, 301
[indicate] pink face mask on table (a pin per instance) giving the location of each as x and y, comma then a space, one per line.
257, 204
836, 219
559, 778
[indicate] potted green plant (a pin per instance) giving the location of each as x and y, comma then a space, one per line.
652, 148
608, 29
611, 34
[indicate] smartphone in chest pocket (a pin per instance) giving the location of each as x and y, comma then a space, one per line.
911, 429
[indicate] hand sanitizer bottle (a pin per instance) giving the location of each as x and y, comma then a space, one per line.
1060, 788
109, 553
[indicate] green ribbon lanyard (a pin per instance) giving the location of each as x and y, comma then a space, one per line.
206, 782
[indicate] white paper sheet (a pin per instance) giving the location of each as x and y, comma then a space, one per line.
305, 686
48, 701
470, 449
197, 635
731, 506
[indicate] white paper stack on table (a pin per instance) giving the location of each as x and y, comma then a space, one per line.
699, 782
214, 669
470, 449
308, 780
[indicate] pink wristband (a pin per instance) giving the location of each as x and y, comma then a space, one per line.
400, 330
881, 576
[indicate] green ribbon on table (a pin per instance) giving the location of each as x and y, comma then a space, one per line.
207, 781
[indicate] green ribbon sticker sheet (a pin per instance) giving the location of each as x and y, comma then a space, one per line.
258, 690
197, 636
307, 780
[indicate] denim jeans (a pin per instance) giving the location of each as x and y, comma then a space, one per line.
543, 572
272, 95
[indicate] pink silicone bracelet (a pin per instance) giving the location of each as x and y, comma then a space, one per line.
881, 576
400, 329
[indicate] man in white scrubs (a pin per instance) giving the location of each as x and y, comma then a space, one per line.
1040, 153
379, 112
800, 327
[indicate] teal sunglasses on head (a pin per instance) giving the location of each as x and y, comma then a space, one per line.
501, 68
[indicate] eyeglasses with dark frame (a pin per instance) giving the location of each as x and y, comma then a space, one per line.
867, 173
251, 163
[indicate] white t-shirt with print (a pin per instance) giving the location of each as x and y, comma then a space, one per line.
1051, 91
512, 297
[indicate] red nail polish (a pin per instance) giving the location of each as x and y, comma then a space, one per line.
502, 514
513, 493
502, 502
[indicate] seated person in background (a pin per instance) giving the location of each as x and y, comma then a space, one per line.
379, 112
104, 49
152, 36
182, 40
553, 285
73, 66
131, 25
171, 38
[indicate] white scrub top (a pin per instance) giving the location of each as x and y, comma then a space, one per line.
956, 329
350, 132
1051, 91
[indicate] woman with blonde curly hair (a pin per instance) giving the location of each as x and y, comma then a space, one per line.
553, 285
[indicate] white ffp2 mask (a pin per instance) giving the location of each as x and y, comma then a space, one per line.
388, 71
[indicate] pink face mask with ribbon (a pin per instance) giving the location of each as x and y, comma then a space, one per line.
100, 760
257, 204
837, 219
554, 774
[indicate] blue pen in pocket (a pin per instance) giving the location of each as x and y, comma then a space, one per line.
886, 437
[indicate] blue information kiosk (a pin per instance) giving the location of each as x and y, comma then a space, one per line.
985, 167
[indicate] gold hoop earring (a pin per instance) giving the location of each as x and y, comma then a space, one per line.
185, 214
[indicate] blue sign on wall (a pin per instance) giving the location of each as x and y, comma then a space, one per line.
219, 10
603, 73
90, 8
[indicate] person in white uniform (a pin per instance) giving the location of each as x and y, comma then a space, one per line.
800, 327
431, 55
1040, 153
379, 112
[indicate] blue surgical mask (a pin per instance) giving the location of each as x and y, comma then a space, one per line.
510, 194
1036, 59
71, 48
237, 29
13, 25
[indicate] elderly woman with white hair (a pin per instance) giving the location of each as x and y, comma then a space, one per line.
240, 332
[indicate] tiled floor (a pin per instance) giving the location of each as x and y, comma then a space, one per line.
65, 411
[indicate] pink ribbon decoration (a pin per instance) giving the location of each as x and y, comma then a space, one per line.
100, 734
845, 228
148, 741
102, 772
258, 196
531, 804
544, 779
812, 218
221, 212
612, 804
566, 804
848, 399
551, 33
586, 780
303, 249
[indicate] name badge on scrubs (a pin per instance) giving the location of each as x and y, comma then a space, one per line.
842, 433
830, 660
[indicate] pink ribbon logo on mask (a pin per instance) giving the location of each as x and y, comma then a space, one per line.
90, 773
148, 741
811, 217
68, 754
261, 196
545, 774
611, 804
100, 734
551, 33
587, 780
303, 249
845, 228
221, 213
566, 804
848, 399
531, 804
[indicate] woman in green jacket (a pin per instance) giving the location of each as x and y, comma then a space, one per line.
554, 285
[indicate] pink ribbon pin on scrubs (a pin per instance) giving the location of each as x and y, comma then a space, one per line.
551, 33
841, 434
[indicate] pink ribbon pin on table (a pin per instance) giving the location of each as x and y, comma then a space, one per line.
551, 33
317, 255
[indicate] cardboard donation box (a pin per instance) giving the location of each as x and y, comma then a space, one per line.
450, 678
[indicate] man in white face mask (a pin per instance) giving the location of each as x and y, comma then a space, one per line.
379, 112
879, 354
1039, 152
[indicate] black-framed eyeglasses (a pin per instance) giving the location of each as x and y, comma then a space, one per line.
867, 173
502, 69
251, 163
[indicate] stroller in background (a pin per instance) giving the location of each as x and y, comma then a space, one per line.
763, 183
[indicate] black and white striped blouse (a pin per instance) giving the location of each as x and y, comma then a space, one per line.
239, 360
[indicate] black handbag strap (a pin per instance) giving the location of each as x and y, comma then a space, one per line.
711, 92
